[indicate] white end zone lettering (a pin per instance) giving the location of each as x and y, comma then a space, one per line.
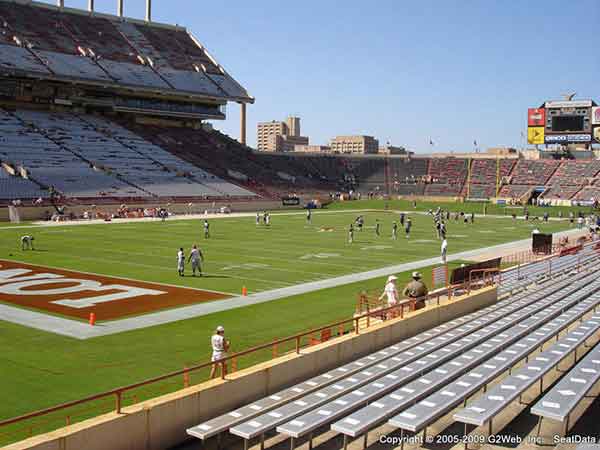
17, 282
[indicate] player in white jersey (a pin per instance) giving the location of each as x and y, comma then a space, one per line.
220, 346
444, 250
206, 229
180, 262
196, 257
27, 242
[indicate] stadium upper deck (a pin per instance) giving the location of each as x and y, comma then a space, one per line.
44, 42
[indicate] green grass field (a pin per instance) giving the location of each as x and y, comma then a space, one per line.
44, 369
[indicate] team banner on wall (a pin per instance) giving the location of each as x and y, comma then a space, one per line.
535, 135
536, 117
596, 115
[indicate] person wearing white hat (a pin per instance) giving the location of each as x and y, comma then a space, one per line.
220, 346
390, 291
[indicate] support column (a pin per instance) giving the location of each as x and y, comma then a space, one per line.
120, 8
91, 5
60, 3
148, 10
243, 123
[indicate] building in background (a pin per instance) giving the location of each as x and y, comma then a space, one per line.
502, 151
364, 145
293, 124
312, 149
277, 136
393, 150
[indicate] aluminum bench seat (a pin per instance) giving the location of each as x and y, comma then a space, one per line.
486, 407
560, 401
431, 408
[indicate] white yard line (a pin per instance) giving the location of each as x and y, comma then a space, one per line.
80, 330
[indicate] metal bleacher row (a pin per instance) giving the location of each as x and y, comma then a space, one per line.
416, 381
518, 278
89, 156
562, 399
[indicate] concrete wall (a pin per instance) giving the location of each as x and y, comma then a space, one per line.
161, 423
38, 213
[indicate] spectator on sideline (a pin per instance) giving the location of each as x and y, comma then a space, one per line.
416, 290
390, 291
220, 346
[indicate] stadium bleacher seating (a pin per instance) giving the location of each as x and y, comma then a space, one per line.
533, 172
74, 45
400, 376
561, 400
447, 176
485, 408
575, 173
22, 145
589, 193
514, 191
89, 156
560, 192
484, 173
13, 188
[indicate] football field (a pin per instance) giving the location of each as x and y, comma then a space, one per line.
44, 368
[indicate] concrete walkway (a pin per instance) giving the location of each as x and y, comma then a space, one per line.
82, 330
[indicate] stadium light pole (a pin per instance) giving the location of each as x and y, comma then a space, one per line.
60, 3
148, 10
120, 8
91, 5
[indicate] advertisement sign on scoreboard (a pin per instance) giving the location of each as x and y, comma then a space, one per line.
536, 117
535, 135
596, 115
567, 138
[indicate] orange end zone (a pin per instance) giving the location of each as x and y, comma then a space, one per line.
77, 294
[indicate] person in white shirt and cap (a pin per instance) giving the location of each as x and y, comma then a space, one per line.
220, 346
391, 292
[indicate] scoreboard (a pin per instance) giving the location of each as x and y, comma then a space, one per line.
562, 122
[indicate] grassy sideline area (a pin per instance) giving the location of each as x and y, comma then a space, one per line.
44, 369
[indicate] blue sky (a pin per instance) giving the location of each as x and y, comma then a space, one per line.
405, 72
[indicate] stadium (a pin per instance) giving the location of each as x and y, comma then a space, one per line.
164, 285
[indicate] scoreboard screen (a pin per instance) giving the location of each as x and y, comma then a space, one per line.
568, 124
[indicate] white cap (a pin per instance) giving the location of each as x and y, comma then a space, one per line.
416, 275
391, 278
220, 329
